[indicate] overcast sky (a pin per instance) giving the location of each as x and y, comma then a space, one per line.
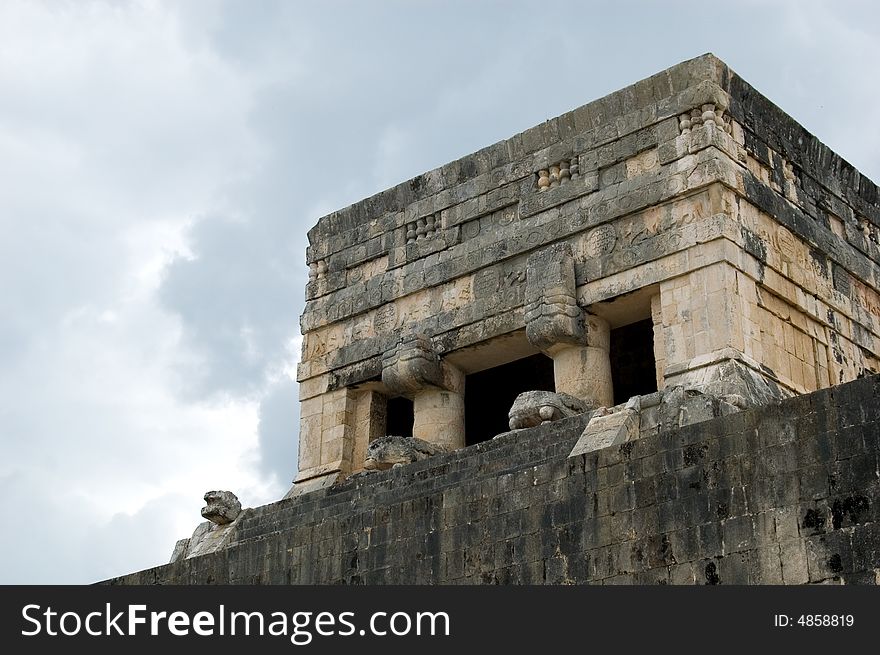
160, 163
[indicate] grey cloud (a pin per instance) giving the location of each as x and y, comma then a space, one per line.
133, 541
278, 430
239, 303
65, 545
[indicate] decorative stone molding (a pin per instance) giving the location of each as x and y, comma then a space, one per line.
423, 228
317, 270
701, 128
412, 366
558, 174
792, 181
551, 311
706, 115
867, 228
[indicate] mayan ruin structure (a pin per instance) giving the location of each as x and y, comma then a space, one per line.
635, 343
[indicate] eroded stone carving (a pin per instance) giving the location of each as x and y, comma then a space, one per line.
600, 241
414, 369
411, 366
317, 270
386, 452
551, 311
422, 228
558, 174
533, 408
222, 510
705, 115
661, 411
222, 507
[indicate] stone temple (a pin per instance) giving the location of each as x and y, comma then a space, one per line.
635, 343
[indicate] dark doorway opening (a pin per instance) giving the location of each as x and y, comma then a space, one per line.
489, 394
633, 368
400, 417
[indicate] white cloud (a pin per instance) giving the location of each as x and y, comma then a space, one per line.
114, 135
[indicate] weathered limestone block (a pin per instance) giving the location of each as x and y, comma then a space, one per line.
654, 413
327, 434
411, 366
370, 421
206, 538
309, 485
553, 318
533, 408
180, 548
649, 414
730, 380
222, 507
680, 406
385, 452
610, 429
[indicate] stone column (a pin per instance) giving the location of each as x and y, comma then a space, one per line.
659, 345
577, 341
585, 371
414, 369
439, 417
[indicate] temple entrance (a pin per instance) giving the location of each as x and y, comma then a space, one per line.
489, 394
400, 417
633, 367
633, 363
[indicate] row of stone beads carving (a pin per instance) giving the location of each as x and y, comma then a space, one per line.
868, 229
558, 174
317, 269
703, 116
421, 229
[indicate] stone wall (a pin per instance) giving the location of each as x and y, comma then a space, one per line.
787, 493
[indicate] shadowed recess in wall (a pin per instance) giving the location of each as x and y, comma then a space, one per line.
490, 394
